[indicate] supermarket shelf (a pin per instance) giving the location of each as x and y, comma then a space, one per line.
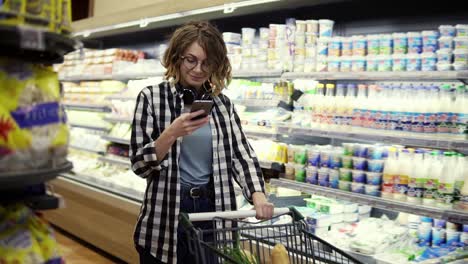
114, 119
460, 145
103, 77
434, 75
121, 97
271, 165
86, 149
126, 77
116, 140
34, 45
77, 78
19, 179
257, 103
260, 134
115, 160
259, 74
382, 203
95, 182
89, 127
87, 107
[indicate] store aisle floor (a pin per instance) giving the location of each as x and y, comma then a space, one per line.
74, 252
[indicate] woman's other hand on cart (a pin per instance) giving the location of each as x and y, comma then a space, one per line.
263, 208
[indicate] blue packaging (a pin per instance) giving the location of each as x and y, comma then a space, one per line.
425, 219
438, 237
440, 223
415, 42
430, 40
414, 62
334, 176
453, 238
424, 236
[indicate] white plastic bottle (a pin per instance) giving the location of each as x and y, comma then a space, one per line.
444, 116
389, 174
460, 109
404, 169
417, 178
446, 188
432, 104
433, 164
461, 172
418, 108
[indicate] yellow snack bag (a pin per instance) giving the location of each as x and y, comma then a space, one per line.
12, 12
32, 122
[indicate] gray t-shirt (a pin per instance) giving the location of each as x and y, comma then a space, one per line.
196, 157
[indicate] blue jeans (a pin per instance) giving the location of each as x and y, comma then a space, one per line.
193, 205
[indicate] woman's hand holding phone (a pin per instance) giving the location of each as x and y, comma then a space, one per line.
185, 124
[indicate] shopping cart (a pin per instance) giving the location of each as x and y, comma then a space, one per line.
236, 241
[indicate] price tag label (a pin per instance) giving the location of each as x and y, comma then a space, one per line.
31, 39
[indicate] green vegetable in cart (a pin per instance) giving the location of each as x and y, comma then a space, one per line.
240, 256
279, 255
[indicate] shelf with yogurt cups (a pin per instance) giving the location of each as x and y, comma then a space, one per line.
259, 74
381, 136
408, 75
102, 77
451, 215
262, 104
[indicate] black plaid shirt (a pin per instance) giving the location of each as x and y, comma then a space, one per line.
233, 158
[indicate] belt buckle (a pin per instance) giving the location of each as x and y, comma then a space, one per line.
195, 192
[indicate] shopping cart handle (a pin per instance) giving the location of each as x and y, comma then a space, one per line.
195, 217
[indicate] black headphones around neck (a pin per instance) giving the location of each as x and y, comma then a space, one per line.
190, 94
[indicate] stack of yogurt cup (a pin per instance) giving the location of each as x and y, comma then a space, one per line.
234, 50
277, 46
460, 53
305, 45
325, 34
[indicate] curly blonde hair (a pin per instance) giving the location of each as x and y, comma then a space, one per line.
211, 40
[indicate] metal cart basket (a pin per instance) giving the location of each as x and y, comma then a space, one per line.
236, 241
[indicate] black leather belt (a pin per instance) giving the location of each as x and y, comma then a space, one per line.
196, 192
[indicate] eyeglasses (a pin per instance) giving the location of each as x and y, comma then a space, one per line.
191, 62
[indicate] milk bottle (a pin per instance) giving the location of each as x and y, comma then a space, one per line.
328, 107
419, 107
370, 106
460, 109
405, 107
445, 190
340, 107
317, 115
434, 170
417, 178
348, 105
358, 106
404, 169
392, 117
431, 109
384, 107
389, 173
461, 172
444, 116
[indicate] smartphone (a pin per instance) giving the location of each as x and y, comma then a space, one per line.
205, 105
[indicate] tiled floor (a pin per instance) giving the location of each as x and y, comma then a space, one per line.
74, 252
